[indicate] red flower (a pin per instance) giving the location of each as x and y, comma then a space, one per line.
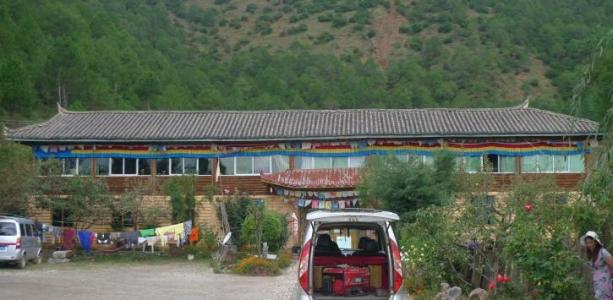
528, 207
499, 278
507, 279
491, 286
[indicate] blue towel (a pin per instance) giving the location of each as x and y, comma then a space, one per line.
86, 237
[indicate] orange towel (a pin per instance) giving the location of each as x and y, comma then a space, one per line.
193, 236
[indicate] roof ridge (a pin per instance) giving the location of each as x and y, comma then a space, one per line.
66, 111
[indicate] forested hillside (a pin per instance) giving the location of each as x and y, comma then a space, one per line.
277, 54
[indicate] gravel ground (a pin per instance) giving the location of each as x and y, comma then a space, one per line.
174, 280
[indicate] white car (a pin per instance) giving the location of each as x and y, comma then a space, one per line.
19, 241
350, 254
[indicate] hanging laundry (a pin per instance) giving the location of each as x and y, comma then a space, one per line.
307, 203
341, 204
354, 202
103, 238
322, 204
175, 231
68, 239
129, 238
328, 204
115, 236
194, 235
301, 202
334, 204
86, 239
315, 204
147, 232
187, 229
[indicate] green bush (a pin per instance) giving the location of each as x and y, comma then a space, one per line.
296, 29
251, 8
284, 259
405, 28
339, 21
237, 209
324, 38
325, 18
274, 230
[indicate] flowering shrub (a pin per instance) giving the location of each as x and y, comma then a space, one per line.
255, 265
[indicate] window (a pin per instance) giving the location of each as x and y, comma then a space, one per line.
69, 166
29, 230
304, 162
552, 163
244, 165
560, 163
428, 160
545, 163
76, 166
162, 166
190, 166
262, 164
102, 166
469, 164
85, 166
529, 164
576, 163
124, 166
22, 230
340, 162
144, 168
506, 164
253, 165
322, 163
280, 163
499, 164
226, 166
204, 166
8, 229
183, 166
356, 162
332, 162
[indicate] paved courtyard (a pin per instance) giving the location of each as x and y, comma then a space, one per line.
172, 280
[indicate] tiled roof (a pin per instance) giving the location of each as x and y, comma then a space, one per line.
314, 179
156, 126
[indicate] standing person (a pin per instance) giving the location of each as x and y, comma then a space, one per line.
602, 266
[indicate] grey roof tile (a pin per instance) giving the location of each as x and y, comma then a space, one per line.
128, 126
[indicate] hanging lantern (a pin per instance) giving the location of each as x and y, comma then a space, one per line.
491, 286
507, 279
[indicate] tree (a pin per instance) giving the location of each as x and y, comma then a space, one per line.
17, 178
85, 199
406, 186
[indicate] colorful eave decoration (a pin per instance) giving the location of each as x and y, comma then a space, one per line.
309, 149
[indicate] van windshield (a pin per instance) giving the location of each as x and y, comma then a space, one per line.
8, 229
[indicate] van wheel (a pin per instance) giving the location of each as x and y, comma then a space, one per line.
21, 264
38, 259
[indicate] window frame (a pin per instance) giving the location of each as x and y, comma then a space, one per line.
170, 172
554, 169
499, 162
123, 167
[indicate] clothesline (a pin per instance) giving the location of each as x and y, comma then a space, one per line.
178, 234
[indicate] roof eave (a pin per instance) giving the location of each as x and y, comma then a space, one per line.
311, 138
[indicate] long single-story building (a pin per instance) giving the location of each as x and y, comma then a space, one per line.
302, 159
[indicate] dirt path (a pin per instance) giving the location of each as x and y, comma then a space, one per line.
141, 281
386, 29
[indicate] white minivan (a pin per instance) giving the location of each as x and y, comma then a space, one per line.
19, 241
350, 254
